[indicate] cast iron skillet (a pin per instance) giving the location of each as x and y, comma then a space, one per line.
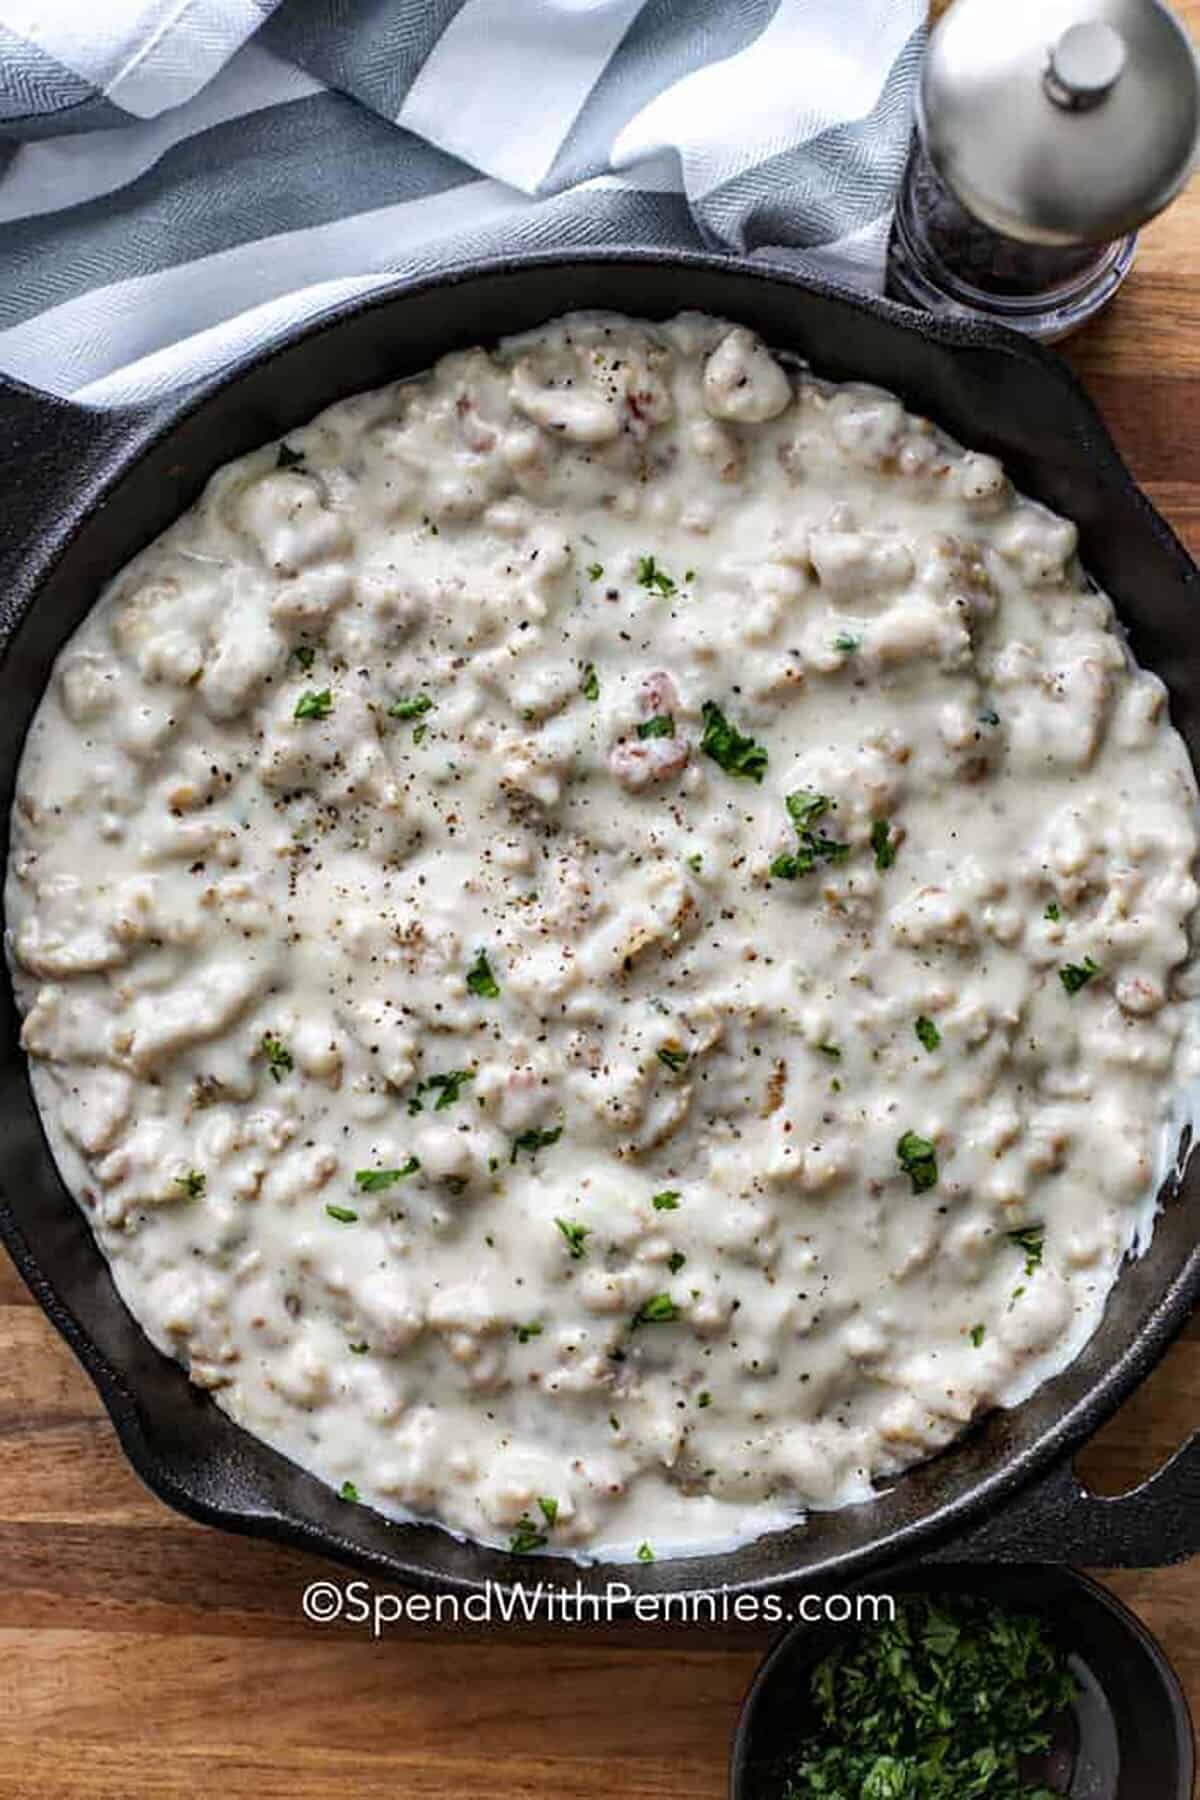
84, 491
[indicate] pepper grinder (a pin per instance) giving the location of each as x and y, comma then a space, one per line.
1047, 132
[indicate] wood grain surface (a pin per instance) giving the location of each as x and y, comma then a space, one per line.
145, 1658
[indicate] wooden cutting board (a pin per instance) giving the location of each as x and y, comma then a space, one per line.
145, 1658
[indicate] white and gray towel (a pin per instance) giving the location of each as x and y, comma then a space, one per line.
180, 179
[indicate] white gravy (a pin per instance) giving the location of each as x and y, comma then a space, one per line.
598, 937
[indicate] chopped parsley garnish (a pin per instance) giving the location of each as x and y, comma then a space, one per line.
673, 1058
846, 640
589, 687
737, 754
193, 1183
1031, 1241
695, 862
832, 1051
526, 1537
533, 1140
595, 571
343, 1214
480, 980
945, 1700
1076, 975
279, 1057
883, 844
305, 655
805, 808
667, 1201
977, 1334
373, 1181
661, 725
918, 1159
523, 1333
348, 1491
660, 1309
573, 1236
645, 1554
1053, 912
419, 732
794, 863
704, 1399
447, 1086
548, 1509
927, 1032
789, 867
287, 458
651, 576
410, 706
817, 845
676, 1261
313, 705
358, 1349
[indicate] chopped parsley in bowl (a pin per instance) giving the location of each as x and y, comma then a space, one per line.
1011, 1682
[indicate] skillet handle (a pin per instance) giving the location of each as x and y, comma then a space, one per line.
56, 458
1058, 1519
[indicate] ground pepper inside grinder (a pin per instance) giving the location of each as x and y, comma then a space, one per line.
1047, 132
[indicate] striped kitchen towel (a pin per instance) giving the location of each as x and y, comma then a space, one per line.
181, 179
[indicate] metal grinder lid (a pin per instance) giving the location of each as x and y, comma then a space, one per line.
1061, 121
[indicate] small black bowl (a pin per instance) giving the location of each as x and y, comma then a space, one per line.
1127, 1737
